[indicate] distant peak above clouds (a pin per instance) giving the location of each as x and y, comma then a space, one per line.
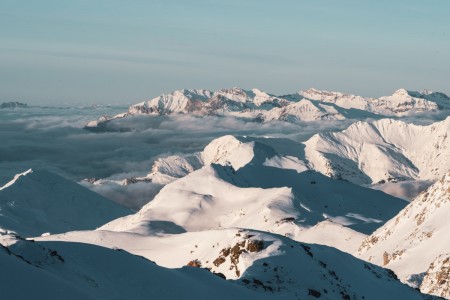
306, 105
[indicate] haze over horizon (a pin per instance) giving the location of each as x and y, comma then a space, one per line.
120, 52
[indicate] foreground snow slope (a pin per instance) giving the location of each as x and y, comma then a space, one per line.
55, 270
381, 151
260, 261
37, 202
416, 237
309, 105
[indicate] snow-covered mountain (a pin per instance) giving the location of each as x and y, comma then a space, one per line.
308, 105
382, 151
246, 184
276, 218
37, 202
269, 264
415, 243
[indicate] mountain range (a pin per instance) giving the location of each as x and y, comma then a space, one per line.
247, 216
307, 105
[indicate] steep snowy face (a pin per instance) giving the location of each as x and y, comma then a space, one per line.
37, 202
273, 265
246, 184
381, 151
412, 240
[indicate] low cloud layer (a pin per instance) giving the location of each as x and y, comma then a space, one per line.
54, 139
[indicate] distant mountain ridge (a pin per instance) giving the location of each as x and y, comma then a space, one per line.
307, 105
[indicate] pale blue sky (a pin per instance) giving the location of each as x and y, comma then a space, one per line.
122, 51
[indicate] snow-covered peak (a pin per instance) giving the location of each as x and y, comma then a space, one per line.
228, 150
401, 92
246, 184
235, 152
382, 151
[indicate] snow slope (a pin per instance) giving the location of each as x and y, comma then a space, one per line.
237, 187
415, 238
263, 262
37, 202
382, 151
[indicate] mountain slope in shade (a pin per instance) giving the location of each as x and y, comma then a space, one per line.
415, 238
37, 202
381, 151
278, 266
55, 270
241, 186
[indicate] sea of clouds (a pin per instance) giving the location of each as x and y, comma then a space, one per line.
54, 139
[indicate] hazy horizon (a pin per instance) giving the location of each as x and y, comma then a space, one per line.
121, 52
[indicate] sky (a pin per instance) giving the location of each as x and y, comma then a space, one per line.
120, 52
